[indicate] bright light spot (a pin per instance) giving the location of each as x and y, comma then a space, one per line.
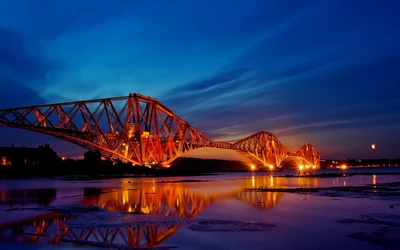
344, 166
307, 166
253, 167
373, 146
168, 166
313, 167
271, 167
63, 158
301, 167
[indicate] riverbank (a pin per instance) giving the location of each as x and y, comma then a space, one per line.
206, 212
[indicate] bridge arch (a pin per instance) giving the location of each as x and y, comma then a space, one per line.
309, 156
140, 130
135, 128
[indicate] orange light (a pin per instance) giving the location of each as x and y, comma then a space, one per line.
313, 167
253, 167
271, 167
307, 166
344, 166
63, 158
301, 167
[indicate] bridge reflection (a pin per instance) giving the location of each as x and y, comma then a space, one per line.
172, 200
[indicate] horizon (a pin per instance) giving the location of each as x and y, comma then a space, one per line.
202, 153
318, 72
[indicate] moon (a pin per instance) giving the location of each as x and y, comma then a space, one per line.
373, 146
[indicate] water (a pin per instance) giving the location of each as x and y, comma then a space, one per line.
223, 211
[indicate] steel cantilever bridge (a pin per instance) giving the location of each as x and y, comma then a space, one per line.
141, 130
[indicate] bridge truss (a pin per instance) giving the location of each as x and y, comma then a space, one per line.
138, 129
309, 155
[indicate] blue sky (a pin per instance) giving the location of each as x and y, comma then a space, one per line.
319, 71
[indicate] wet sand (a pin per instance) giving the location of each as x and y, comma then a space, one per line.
233, 211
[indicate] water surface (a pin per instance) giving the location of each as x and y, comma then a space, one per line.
224, 211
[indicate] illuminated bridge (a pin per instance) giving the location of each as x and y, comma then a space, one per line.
168, 200
141, 130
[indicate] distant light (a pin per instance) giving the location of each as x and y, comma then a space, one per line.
271, 167
307, 166
301, 167
373, 146
253, 167
63, 158
313, 167
344, 166
168, 166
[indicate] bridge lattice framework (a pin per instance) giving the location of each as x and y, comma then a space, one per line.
141, 130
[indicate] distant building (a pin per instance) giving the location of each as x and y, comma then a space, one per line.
23, 156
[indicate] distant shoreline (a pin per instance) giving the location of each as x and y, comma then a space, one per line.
146, 173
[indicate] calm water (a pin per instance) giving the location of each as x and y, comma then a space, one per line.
28, 218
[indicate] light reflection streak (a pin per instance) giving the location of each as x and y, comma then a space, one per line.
166, 200
185, 200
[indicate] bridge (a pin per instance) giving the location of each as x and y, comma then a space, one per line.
141, 130
167, 201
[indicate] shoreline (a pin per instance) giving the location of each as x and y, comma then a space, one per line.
171, 173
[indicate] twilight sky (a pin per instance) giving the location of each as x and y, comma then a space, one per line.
325, 72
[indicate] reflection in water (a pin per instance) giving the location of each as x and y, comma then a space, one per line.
262, 200
265, 182
165, 200
175, 200
42, 197
53, 229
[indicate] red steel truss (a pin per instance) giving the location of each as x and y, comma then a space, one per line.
134, 129
53, 229
309, 155
263, 147
222, 144
137, 129
165, 200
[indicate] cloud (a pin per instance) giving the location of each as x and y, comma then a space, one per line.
217, 90
51, 19
213, 82
15, 94
295, 68
23, 69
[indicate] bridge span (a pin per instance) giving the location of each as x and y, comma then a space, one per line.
141, 130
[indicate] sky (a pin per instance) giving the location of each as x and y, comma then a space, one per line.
325, 72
